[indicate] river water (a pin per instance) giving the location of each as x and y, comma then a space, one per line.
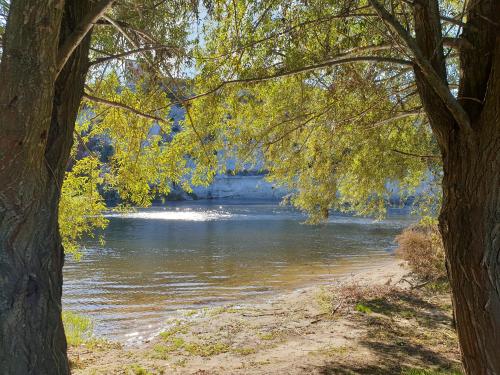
188, 255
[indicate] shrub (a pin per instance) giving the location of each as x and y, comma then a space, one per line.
422, 247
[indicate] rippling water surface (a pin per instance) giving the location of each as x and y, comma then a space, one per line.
191, 255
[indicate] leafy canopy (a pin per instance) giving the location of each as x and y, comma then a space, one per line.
317, 92
321, 93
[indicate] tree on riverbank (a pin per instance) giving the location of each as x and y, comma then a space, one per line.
53, 54
343, 96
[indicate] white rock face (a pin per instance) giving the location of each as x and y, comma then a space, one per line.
247, 187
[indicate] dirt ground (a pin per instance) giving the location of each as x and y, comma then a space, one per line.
368, 323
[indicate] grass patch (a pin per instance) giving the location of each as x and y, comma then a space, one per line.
332, 351
324, 299
175, 330
160, 352
221, 310
362, 308
244, 351
268, 336
174, 343
205, 349
97, 343
181, 362
136, 369
344, 298
79, 329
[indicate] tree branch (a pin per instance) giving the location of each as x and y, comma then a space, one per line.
457, 43
128, 53
397, 117
118, 27
434, 80
111, 103
453, 21
325, 64
80, 33
416, 155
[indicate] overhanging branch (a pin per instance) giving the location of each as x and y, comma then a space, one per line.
325, 64
416, 155
111, 103
80, 32
437, 84
128, 53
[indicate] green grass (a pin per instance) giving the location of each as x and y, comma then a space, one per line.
79, 329
206, 349
362, 308
136, 369
244, 351
161, 352
332, 350
268, 336
176, 329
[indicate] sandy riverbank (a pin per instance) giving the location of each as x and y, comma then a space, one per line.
365, 323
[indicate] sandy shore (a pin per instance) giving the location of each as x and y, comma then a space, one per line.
364, 323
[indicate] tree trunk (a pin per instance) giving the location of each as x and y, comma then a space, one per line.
470, 225
37, 117
470, 215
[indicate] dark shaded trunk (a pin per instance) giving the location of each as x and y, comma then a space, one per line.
37, 117
469, 223
470, 216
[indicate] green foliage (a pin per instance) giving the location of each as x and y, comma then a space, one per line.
81, 205
125, 136
339, 137
78, 329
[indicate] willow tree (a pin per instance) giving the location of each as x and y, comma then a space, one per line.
119, 59
341, 97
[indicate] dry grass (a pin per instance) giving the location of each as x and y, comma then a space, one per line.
348, 297
422, 247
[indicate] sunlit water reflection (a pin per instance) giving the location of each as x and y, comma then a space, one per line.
191, 255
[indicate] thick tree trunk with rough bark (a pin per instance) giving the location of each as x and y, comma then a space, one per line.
37, 117
470, 216
470, 225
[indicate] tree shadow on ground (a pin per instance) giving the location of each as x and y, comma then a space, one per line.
403, 330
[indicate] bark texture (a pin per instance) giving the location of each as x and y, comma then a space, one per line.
470, 216
37, 117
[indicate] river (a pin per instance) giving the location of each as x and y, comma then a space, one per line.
189, 255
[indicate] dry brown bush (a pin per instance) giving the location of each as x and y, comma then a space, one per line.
422, 247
